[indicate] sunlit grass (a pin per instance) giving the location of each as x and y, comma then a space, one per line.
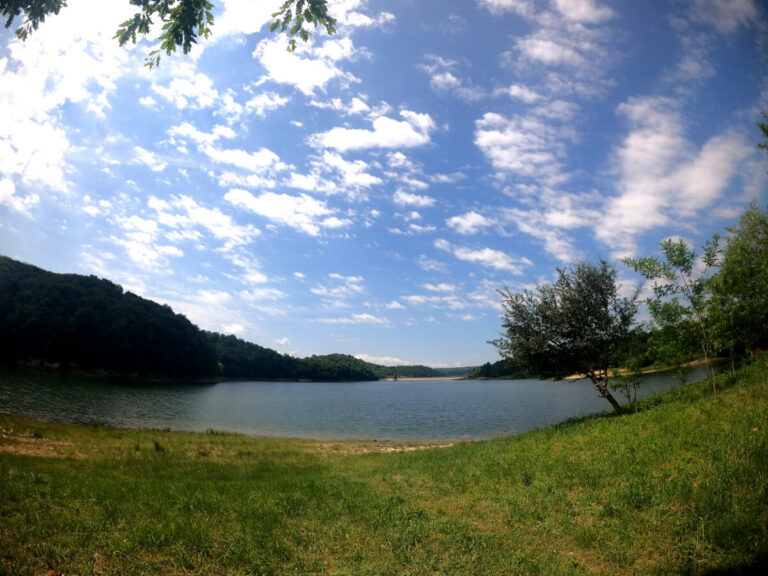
679, 486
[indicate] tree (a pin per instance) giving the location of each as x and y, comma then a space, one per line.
573, 326
675, 276
739, 306
183, 21
673, 341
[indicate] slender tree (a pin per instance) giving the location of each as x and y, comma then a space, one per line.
676, 276
572, 326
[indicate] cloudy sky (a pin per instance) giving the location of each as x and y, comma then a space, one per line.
369, 193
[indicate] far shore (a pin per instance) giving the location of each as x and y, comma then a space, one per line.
422, 379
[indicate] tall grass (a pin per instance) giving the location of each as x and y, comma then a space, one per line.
678, 486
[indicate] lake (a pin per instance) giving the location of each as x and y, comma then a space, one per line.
404, 410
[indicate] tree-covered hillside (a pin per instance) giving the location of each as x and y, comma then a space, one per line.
86, 322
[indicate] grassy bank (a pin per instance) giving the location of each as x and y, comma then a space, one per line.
680, 486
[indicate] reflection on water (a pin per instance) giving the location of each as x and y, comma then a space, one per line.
427, 410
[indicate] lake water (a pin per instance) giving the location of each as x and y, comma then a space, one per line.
404, 410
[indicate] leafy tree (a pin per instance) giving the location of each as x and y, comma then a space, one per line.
673, 341
675, 275
573, 326
739, 306
183, 21
764, 129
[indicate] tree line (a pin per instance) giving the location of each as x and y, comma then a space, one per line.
709, 306
81, 322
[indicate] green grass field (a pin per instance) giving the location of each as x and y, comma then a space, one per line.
679, 486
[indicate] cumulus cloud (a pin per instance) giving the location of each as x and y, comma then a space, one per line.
306, 74
522, 145
442, 78
585, 11
187, 88
265, 102
662, 175
522, 7
469, 223
149, 159
413, 130
486, 257
8, 197
407, 199
300, 212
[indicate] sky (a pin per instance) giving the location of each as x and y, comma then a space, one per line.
370, 193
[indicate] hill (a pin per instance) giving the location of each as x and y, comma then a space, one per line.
84, 322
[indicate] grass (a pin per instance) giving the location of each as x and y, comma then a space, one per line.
678, 486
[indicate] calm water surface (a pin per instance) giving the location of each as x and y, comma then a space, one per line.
422, 410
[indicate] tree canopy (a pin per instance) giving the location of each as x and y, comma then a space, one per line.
182, 21
675, 275
572, 326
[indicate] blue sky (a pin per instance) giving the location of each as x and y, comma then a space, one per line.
369, 193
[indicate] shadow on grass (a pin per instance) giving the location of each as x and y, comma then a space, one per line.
758, 566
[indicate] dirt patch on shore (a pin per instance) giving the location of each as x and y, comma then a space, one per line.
349, 448
30, 444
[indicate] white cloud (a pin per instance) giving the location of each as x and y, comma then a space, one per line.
486, 257
71, 59
244, 16
9, 198
547, 227
522, 93
149, 159
412, 131
584, 11
252, 161
213, 297
551, 52
382, 360
522, 7
443, 78
522, 145
354, 174
355, 319
262, 294
348, 15
188, 88
187, 130
469, 223
661, 174
234, 329
727, 16
444, 287
265, 102
305, 74
407, 199
183, 215
301, 212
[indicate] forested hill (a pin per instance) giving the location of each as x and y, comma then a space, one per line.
85, 322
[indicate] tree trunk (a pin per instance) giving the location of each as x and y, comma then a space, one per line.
602, 387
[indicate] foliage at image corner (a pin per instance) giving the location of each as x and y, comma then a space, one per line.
182, 21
